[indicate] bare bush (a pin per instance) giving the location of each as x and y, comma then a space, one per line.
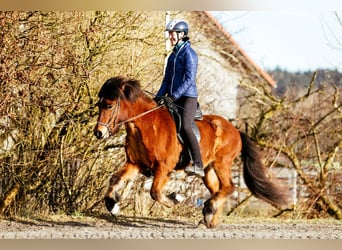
52, 64
302, 132
51, 67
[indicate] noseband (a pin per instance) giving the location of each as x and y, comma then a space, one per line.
115, 112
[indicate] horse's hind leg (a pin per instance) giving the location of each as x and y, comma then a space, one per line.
112, 196
218, 181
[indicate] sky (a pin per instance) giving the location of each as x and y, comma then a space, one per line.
291, 40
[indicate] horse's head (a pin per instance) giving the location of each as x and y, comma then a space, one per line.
112, 104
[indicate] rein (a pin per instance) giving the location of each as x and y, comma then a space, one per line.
116, 110
138, 116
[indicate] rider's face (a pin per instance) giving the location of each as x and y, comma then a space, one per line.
175, 37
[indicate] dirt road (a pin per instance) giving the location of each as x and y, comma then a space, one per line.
126, 227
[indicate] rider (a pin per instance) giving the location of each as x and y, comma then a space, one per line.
179, 86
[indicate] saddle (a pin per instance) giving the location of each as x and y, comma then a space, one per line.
178, 121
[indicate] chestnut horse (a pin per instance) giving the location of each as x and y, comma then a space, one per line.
152, 145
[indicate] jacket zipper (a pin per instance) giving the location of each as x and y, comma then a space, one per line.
174, 67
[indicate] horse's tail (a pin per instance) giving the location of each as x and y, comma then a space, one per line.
256, 178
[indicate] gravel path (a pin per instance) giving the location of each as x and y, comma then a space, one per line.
125, 227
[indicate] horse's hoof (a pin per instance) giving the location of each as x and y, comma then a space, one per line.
208, 214
202, 224
176, 198
115, 209
111, 205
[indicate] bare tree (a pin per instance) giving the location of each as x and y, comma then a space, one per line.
302, 132
51, 67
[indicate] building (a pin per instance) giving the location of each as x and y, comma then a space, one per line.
223, 64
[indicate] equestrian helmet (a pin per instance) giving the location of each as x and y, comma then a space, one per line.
178, 26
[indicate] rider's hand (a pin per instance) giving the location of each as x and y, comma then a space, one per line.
168, 100
158, 100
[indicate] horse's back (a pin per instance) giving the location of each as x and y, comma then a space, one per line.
217, 133
220, 124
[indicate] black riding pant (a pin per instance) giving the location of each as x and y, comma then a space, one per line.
187, 108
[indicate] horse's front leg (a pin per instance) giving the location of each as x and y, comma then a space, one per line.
161, 176
112, 196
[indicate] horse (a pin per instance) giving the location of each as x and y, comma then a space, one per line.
152, 145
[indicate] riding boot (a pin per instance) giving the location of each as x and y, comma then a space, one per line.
189, 106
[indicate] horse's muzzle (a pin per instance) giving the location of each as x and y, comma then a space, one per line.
101, 130
98, 134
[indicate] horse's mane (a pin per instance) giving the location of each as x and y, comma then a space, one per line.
122, 87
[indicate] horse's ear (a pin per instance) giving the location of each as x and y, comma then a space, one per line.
128, 88
122, 85
124, 88
123, 82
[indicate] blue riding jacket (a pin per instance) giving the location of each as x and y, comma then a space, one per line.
180, 73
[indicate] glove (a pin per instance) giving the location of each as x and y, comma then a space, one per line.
158, 100
168, 100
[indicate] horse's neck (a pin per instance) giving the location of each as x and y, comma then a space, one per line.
149, 121
139, 114
140, 106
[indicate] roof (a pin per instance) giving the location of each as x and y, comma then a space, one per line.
246, 64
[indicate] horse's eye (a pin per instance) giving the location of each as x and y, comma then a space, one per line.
102, 105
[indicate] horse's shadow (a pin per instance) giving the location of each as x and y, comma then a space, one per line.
143, 221
49, 222
118, 220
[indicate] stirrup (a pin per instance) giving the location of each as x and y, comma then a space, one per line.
194, 170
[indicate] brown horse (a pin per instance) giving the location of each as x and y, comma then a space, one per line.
152, 145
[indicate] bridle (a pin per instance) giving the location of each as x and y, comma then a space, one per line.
115, 113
